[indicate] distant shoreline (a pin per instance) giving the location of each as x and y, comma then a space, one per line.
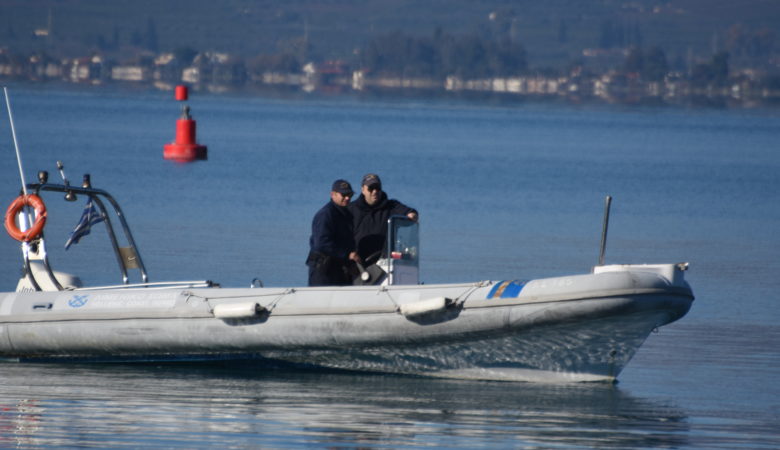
482, 97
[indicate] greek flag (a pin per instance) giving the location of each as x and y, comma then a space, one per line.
89, 217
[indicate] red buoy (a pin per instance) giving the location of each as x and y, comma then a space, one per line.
186, 147
181, 93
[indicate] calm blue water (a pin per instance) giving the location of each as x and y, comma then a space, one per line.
504, 192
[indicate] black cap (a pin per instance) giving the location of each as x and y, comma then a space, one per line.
342, 187
371, 179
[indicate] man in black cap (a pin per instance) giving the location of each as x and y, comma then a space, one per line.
332, 244
370, 213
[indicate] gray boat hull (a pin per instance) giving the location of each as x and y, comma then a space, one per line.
576, 328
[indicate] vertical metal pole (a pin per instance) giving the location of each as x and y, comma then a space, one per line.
16, 144
608, 202
26, 218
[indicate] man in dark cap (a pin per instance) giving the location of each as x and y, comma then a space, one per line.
332, 244
370, 213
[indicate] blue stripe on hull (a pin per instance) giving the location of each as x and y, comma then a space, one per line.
506, 289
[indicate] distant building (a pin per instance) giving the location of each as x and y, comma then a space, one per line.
191, 75
130, 73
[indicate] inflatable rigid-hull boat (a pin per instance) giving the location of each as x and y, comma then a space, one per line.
573, 328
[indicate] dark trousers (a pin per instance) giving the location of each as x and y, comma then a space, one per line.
328, 271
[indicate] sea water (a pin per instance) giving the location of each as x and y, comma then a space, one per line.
504, 192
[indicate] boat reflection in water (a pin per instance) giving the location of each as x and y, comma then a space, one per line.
231, 404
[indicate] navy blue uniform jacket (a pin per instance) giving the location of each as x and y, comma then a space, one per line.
331, 232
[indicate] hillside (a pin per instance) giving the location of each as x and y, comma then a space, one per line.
553, 32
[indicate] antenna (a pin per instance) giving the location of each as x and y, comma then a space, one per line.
607, 203
26, 219
16, 144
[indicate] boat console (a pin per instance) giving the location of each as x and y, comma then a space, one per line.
399, 262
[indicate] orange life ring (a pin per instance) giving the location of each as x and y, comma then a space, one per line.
36, 229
